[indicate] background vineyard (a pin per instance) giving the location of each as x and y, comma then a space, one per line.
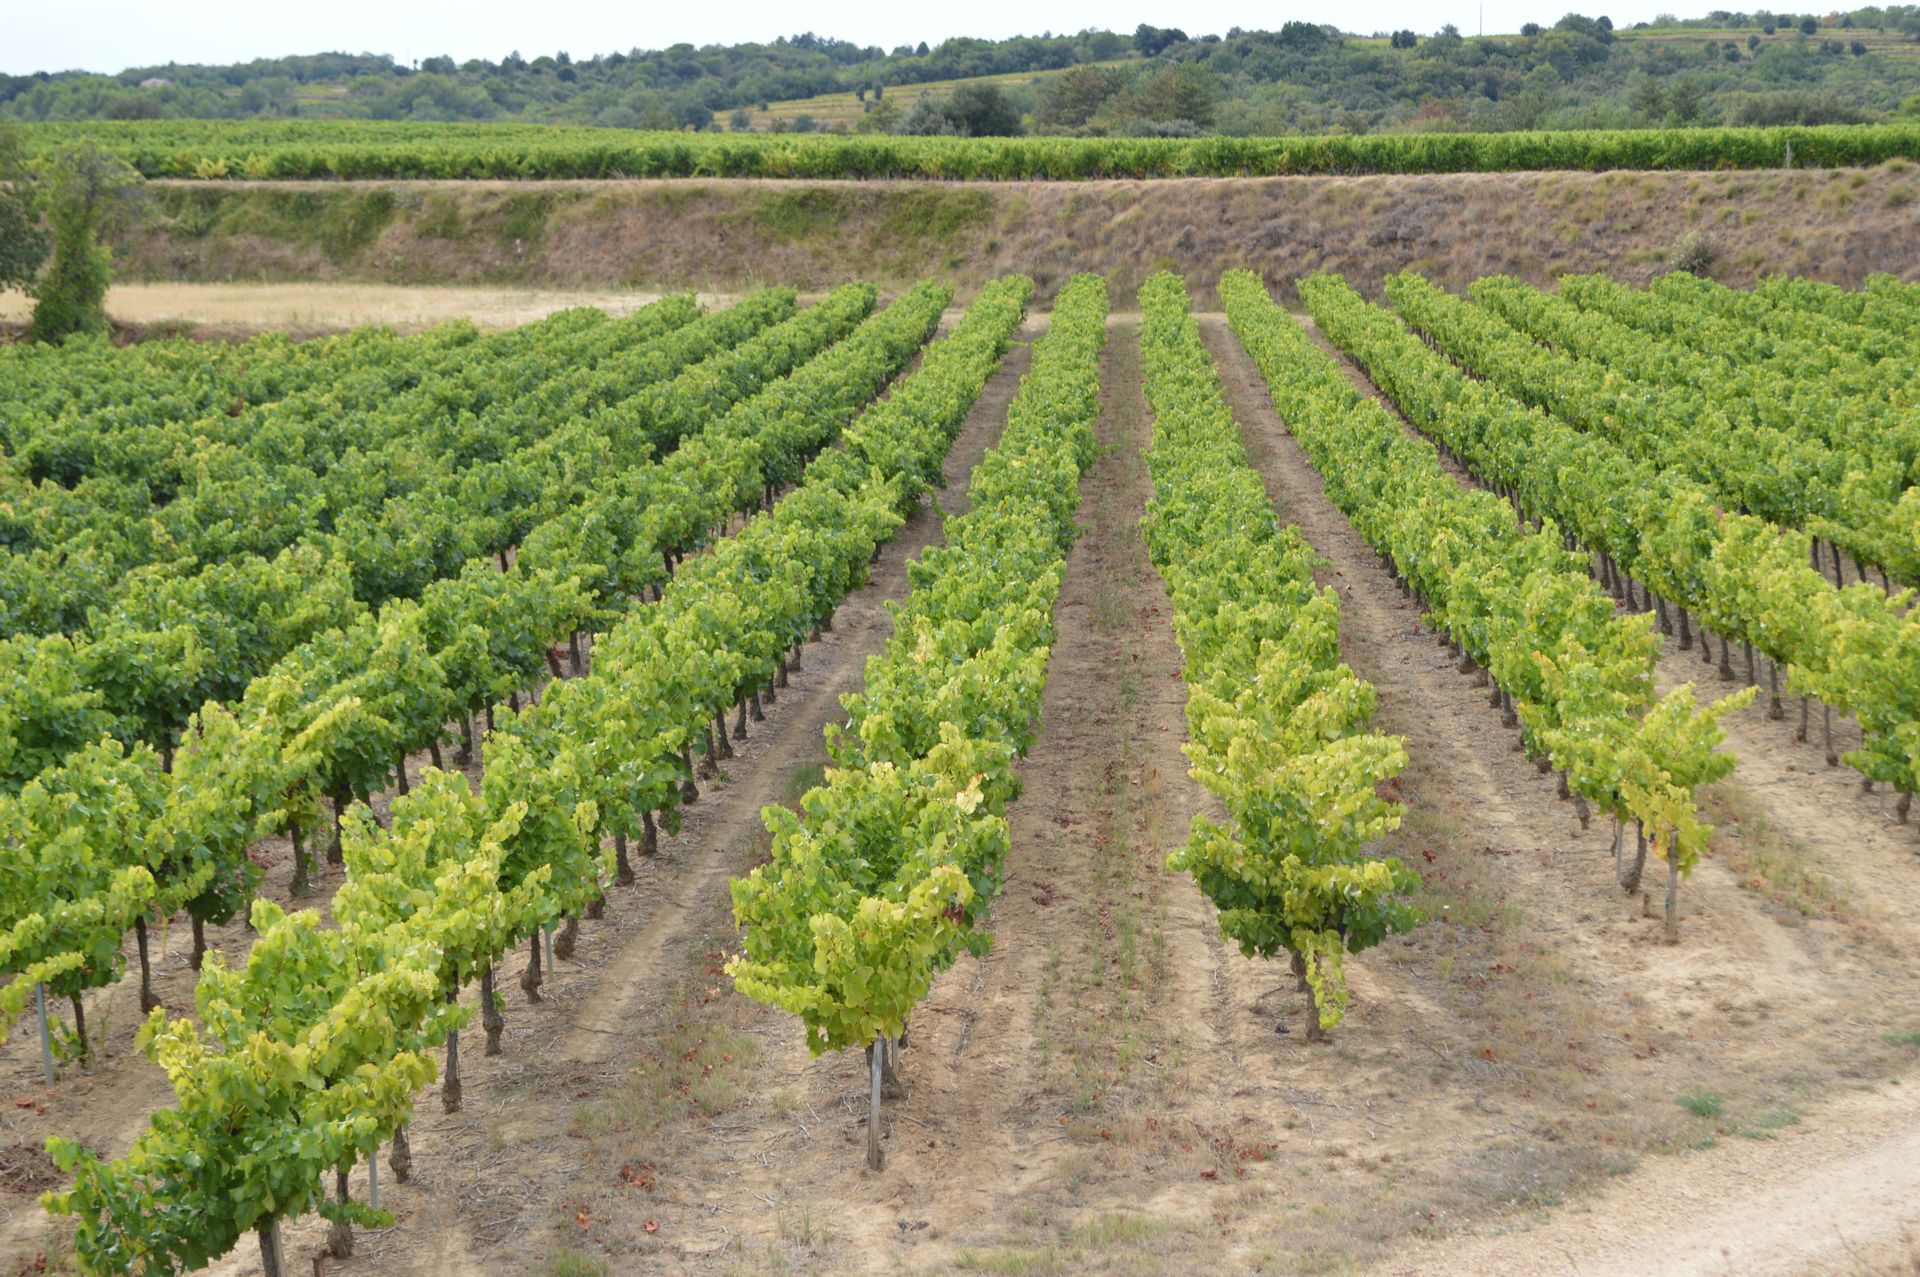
335, 149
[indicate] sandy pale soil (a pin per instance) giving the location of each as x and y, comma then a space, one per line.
321, 306
1837, 1195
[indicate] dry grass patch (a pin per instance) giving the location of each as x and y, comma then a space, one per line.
1768, 859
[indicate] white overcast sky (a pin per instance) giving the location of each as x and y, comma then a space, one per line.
110, 35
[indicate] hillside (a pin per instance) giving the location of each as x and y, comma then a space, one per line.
1760, 68
846, 111
1838, 225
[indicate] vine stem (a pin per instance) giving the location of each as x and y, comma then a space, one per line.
876, 1158
46, 1038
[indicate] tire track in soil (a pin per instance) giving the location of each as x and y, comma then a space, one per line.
465, 1214
1836, 1199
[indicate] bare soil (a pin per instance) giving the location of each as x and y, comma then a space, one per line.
202, 309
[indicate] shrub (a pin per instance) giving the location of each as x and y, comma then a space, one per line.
1694, 252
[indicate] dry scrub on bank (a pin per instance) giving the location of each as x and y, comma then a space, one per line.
1839, 225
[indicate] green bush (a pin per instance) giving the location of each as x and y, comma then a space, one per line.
86, 190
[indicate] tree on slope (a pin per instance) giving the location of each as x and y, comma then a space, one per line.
85, 192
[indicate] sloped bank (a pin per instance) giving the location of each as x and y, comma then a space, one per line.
1833, 224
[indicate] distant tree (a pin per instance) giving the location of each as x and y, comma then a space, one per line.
1858, 49
1599, 31
880, 117
1527, 29
927, 117
1795, 107
441, 65
694, 115
804, 123
23, 245
982, 110
1686, 101
1185, 92
1768, 29
1303, 36
741, 121
1069, 100
860, 93
1605, 23
1753, 44
1808, 25
1648, 97
920, 50
86, 192
1151, 41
